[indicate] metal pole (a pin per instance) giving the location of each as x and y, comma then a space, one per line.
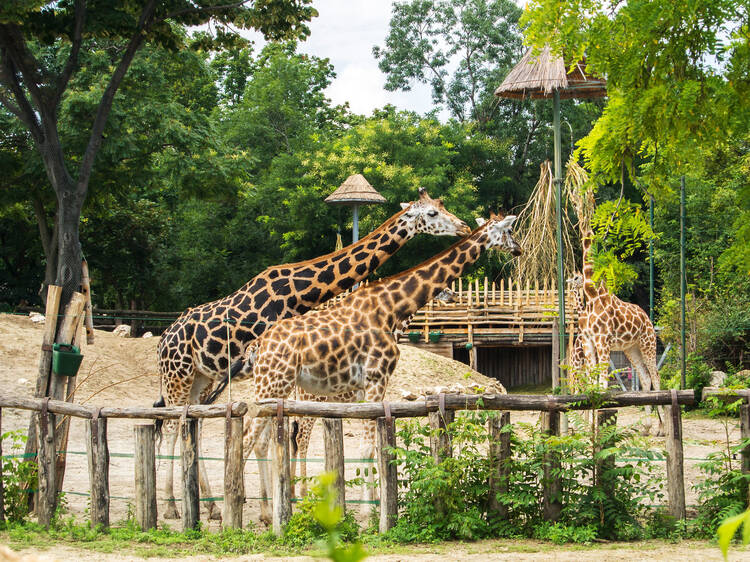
651, 262
683, 288
355, 224
558, 209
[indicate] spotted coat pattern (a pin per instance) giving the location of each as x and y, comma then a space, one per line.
350, 346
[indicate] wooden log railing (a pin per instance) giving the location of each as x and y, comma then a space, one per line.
384, 414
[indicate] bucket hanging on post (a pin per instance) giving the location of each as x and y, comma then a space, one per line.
66, 359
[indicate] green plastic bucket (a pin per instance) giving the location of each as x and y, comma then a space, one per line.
414, 336
435, 336
66, 359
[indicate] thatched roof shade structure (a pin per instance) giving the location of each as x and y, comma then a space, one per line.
539, 76
355, 190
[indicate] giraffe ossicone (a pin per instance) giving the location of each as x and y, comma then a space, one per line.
197, 350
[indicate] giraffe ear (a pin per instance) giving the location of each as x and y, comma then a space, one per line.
508, 221
480, 221
405, 205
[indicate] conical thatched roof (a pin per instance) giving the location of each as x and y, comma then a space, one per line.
355, 190
538, 77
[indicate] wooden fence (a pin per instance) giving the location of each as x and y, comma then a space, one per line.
439, 409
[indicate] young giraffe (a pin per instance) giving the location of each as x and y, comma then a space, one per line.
302, 427
350, 346
192, 352
614, 325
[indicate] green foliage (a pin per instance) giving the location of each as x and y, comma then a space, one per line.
723, 492
320, 519
462, 49
729, 527
19, 476
449, 500
697, 372
621, 232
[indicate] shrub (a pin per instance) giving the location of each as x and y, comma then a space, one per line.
19, 477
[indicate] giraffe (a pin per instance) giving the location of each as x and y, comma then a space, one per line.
193, 351
302, 427
350, 346
611, 324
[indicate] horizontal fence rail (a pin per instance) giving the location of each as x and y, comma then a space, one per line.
365, 411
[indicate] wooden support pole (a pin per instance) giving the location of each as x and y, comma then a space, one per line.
605, 419
234, 474
98, 456
46, 468
675, 461
440, 440
281, 475
190, 488
86, 291
499, 453
552, 487
386, 433
45, 362
333, 439
555, 354
145, 476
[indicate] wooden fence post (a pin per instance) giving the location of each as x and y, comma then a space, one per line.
605, 418
145, 476
552, 487
333, 439
440, 439
675, 460
280, 472
234, 475
98, 457
744, 434
499, 453
386, 432
46, 467
190, 488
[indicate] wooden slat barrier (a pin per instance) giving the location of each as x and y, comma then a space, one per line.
439, 408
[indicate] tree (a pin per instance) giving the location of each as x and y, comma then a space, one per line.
41, 45
463, 49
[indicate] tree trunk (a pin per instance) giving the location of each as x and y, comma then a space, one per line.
70, 202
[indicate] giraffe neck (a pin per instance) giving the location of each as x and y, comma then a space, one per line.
309, 283
589, 289
577, 300
400, 296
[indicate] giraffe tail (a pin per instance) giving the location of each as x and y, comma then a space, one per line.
159, 423
235, 370
293, 438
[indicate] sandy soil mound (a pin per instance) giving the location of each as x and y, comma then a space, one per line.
124, 369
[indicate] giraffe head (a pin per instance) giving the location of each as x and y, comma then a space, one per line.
428, 215
575, 282
498, 228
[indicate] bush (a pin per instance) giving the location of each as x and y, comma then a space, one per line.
450, 500
19, 477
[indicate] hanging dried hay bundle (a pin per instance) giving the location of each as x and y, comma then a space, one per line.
537, 225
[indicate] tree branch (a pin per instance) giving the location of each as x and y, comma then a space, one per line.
25, 112
75, 47
200, 10
105, 105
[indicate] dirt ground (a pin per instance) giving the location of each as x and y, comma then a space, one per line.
122, 371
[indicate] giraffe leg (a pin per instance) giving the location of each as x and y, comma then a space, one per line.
303, 444
636, 361
253, 441
214, 513
264, 473
170, 428
647, 349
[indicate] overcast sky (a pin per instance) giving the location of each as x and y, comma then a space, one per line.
345, 32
